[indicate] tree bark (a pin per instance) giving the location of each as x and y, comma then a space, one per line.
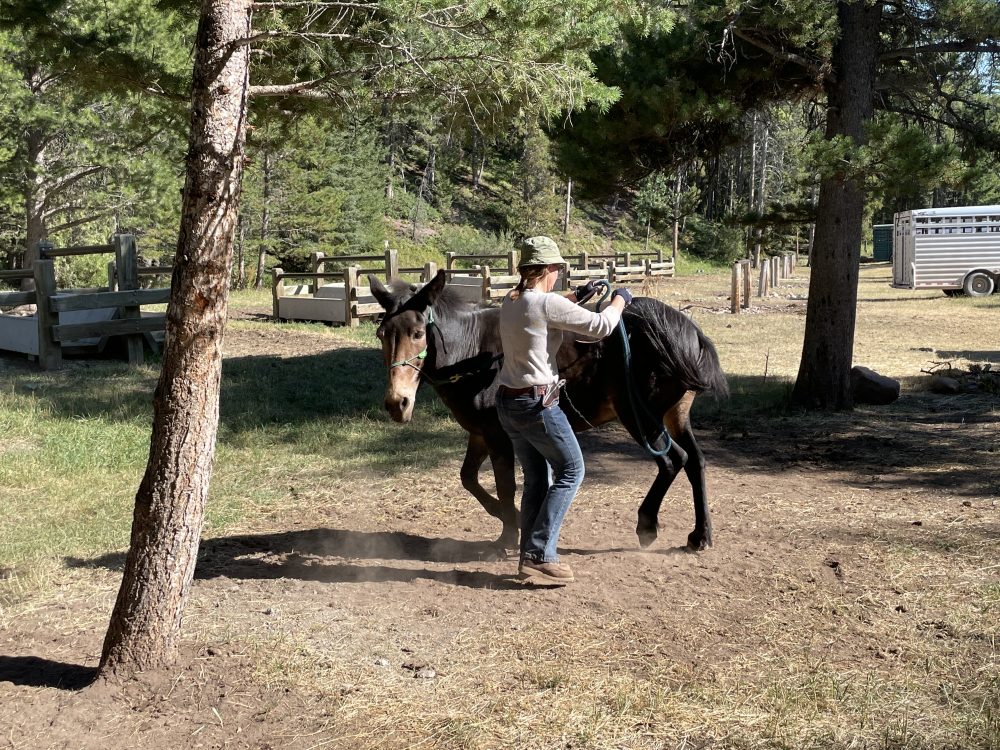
170, 502
265, 219
824, 379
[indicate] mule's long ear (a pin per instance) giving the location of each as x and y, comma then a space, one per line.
382, 295
428, 293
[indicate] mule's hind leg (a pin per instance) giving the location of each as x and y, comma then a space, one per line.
667, 468
648, 525
701, 537
476, 453
678, 421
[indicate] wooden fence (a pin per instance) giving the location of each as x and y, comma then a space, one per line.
343, 297
772, 271
75, 317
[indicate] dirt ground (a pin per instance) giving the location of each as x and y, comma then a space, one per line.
850, 600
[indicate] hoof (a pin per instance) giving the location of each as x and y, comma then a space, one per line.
699, 540
647, 532
509, 542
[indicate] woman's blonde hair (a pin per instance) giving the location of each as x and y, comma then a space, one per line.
530, 276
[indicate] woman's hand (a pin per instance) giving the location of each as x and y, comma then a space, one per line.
585, 290
621, 298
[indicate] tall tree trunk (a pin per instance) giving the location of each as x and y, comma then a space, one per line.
265, 218
824, 379
761, 198
479, 152
753, 165
170, 502
34, 202
677, 217
425, 182
390, 176
569, 205
241, 261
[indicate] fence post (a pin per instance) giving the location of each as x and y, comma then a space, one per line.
775, 272
351, 295
737, 286
277, 289
430, 270
449, 260
628, 259
391, 263
112, 276
127, 257
747, 282
49, 350
317, 263
485, 270
763, 286
512, 262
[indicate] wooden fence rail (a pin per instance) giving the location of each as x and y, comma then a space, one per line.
482, 283
62, 314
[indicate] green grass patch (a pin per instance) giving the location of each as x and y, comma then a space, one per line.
76, 443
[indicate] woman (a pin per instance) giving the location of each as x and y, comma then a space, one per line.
532, 322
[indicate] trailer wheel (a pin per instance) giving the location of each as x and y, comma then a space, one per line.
978, 284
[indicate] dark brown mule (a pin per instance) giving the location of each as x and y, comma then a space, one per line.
430, 334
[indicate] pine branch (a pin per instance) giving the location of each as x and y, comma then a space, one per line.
965, 45
78, 222
71, 179
819, 71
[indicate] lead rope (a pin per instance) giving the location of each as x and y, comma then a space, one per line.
635, 403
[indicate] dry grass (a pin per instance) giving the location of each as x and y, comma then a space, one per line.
852, 599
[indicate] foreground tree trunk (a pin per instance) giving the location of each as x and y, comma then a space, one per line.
824, 379
170, 502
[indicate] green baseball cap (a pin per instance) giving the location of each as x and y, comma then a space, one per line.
540, 251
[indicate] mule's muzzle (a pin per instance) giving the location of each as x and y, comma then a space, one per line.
401, 410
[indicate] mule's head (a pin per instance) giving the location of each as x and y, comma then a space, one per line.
405, 334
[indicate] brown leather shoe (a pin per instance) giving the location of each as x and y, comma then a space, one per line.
533, 571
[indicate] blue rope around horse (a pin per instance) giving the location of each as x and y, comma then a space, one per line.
634, 401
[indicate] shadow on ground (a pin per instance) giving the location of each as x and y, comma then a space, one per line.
34, 671
305, 555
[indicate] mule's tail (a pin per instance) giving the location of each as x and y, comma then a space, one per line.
681, 351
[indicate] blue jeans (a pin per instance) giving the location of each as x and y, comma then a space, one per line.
542, 440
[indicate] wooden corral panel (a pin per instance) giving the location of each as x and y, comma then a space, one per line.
628, 274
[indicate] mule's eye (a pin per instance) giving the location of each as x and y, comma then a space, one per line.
418, 335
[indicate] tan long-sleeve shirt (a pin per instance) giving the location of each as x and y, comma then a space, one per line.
531, 331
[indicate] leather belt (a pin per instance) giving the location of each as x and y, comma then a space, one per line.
537, 390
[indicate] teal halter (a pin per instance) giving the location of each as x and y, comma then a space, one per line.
423, 354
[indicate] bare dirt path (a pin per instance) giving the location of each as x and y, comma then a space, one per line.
851, 600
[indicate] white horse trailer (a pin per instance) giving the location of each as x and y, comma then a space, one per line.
952, 249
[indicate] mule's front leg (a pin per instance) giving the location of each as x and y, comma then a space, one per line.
502, 458
475, 454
